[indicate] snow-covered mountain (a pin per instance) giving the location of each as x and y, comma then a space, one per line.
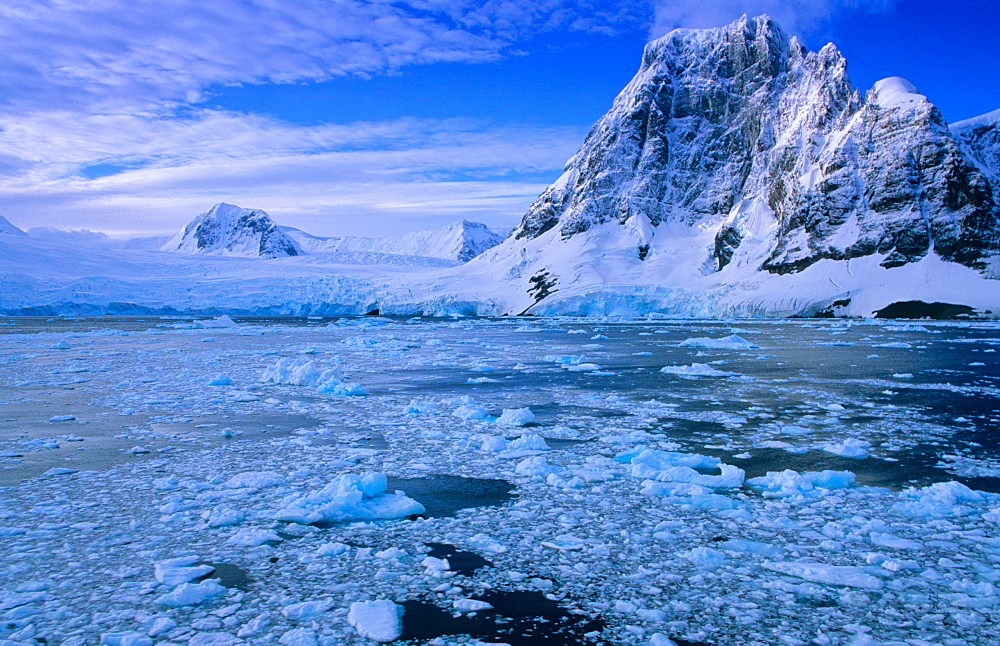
454, 244
6, 228
739, 173
231, 231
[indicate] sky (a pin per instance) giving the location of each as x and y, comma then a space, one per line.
377, 117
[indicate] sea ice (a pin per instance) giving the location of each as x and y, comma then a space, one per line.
849, 448
189, 594
845, 575
939, 500
790, 483
176, 571
696, 370
379, 620
516, 417
731, 342
350, 497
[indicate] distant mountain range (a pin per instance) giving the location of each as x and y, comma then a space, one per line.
738, 174
229, 230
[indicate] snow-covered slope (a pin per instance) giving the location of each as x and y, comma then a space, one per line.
981, 137
739, 173
231, 231
6, 228
455, 244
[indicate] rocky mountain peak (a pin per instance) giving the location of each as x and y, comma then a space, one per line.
743, 131
233, 231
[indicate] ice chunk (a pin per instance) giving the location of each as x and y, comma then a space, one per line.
350, 497
189, 594
696, 370
790, 483
306, 610
299, 637
59, 471
420, 407
849, 448
62, 345
704, 557
299, 372
125, 639
332, 549
667, 466
485, 543
340, 388
254, 480
217, 322
939, 500
471, 412
221, 380
516, 417
752, 547
214, 639
379, 620
223, 516
894, 542
176, 571
253, 537
564, 359
470, 605
536, 465
62, 418
845, 575
731, 342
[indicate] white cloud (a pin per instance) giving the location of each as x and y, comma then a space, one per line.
795, 16
107, 54
328, 179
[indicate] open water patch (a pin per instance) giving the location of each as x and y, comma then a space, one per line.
464, 562
518, 618
444, 495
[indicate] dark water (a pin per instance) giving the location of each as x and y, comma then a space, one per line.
517, 618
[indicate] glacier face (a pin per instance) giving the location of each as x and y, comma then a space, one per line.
229, 230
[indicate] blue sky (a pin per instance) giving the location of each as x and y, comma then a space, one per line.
381, 116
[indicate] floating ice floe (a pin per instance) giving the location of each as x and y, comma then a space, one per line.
217, 322
809, 484
190, 594
668, 466
527, 442
220, 380
180, 570
349, 497
844, 575
516, 417
731, 342
849, 448
62, 345
696, 370
379, 620
939, 500
253, 537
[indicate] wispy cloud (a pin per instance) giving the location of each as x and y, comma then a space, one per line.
796, 16
398, 175
109, 54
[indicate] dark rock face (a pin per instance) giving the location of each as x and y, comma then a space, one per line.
743, 130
